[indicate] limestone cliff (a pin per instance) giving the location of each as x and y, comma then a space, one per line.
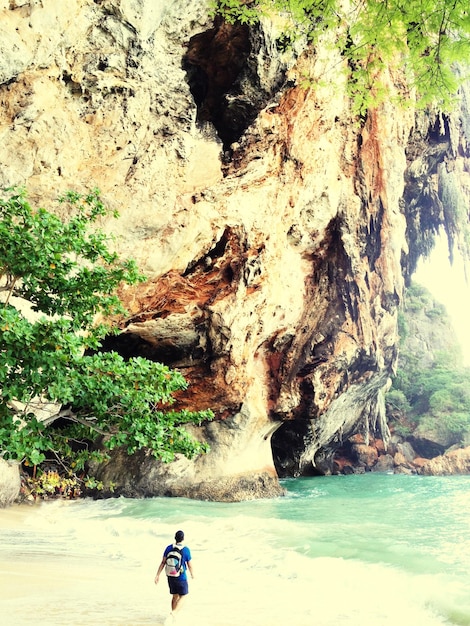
417, 446
274, 227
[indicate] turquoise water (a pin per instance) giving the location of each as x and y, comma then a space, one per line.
335, 551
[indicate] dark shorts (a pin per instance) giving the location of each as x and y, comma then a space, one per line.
177, 586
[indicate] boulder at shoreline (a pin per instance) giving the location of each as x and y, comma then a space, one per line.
10, 482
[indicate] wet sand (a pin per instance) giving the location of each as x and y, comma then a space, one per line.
22, 573
13, 516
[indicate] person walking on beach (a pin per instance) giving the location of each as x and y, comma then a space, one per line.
176, 560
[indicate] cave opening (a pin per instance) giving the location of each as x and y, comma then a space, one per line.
129, 345
222, 72
288, 445
214, 62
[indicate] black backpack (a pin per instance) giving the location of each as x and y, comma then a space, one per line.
174, 562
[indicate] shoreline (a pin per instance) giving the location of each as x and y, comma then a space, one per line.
11, 515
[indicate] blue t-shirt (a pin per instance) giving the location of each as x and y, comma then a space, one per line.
186, 556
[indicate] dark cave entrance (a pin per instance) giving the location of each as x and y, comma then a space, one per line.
288, 444
214, 62
221, 66
129, 345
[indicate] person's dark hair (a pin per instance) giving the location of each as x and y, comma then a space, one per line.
179, 536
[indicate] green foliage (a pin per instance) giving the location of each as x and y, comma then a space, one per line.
234, 11
398, 400
425, 38
403, 329
430, 391
437, 312
417, 297
52, 484
61, 267
402, 430
67, 273
435, 398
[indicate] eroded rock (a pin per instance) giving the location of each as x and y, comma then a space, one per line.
10, 482
272, 231
453, 462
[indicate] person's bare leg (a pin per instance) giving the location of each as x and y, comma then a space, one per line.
176, 603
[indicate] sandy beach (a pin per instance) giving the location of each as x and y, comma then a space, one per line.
13, 516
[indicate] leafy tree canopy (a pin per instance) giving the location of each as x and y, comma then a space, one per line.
430, 392
435, 398
424, 37
64, 271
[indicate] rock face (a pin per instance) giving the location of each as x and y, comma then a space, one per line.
10, 483
426, 332
453, 462
273, 225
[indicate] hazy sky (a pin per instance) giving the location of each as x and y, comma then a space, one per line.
448, 286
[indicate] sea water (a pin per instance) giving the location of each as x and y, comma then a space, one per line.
373, 549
